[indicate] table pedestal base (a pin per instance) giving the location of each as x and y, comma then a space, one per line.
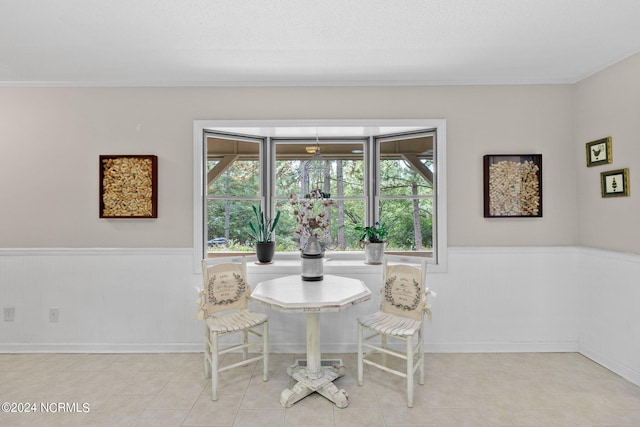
307, 384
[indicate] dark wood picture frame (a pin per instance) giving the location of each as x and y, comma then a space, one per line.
615, 183
128, 186
599, 152
513, 186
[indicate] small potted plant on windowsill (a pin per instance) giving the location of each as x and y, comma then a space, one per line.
373, 238
262, 234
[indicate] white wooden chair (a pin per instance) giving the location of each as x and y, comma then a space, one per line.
224, 309
401, 316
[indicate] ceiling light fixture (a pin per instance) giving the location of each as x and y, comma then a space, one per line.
314, 169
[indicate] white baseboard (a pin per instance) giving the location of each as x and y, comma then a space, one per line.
99, 348
623, 370
503, 347
495, 347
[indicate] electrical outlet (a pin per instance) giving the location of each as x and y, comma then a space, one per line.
9, 314
54, 315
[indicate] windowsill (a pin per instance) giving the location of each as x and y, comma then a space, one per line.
338, 263
331, 266
341, 264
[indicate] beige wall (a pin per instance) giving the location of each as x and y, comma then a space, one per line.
608, 104
50, 140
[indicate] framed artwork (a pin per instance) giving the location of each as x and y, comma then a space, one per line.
512, 185
615, 183
128, 186
599, 152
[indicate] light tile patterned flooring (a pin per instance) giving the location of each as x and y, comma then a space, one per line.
514, 389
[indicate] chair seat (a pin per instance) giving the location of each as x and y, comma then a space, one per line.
241, 319
390, 324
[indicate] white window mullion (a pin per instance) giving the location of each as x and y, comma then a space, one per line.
372, 156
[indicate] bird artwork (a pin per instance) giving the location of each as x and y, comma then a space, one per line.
596, 152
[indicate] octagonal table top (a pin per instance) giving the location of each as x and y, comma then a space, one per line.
291, 293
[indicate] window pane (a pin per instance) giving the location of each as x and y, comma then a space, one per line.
239, 178
337, 169
410, 223
342, 216
406, 167
228, 224
333, 165
400, 178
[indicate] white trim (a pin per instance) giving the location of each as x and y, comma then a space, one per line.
369, 126
92, 251
503, 347
605, 253
577, 250
198, 194
100, 348
621, 369
508, 250
305, 83
196, 347
441, 239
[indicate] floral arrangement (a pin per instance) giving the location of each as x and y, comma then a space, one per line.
312, 216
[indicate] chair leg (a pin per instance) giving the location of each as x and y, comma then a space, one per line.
207, 354
421, 356
214, 366
383, 344
265, 352
410, 371
360, 354
245, 341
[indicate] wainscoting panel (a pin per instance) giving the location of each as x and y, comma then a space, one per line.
108, 300
608, 304
534, 299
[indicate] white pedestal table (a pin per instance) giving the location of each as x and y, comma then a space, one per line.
292, 294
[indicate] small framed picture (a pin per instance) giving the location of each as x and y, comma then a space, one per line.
128, 186
599, 152
512, 185
615, 183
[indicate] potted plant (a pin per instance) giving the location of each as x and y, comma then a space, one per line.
262, 234
373, 238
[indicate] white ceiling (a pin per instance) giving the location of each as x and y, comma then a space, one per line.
303, 42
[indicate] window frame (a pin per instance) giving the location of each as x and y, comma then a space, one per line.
377, 141
372, 129
263, 180
364, 141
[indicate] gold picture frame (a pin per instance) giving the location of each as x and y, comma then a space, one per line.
128, 186
599, 152
615, 183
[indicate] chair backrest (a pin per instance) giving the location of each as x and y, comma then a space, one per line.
224, 286
404, 289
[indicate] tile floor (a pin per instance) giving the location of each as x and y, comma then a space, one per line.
521, 389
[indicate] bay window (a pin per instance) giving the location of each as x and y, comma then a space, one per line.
350, 175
